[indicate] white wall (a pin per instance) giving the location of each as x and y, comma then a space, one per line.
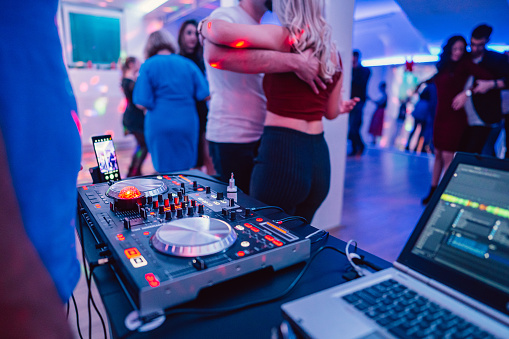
340, 15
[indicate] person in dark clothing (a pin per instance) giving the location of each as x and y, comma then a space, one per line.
481, 98
421, 114
360, 77
193, 50
134, 117
377, 120
454, 69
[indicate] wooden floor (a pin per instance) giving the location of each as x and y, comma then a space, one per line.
383, 189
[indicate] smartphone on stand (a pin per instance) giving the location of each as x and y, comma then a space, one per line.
106, 157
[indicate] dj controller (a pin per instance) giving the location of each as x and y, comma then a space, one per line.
170, 237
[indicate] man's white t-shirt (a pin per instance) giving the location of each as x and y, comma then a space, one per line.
238, 105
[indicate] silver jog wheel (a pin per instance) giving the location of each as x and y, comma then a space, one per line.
147, 187
194, 237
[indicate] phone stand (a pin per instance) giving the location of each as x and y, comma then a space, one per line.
96, 175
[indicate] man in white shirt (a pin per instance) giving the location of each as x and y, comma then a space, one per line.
238, 105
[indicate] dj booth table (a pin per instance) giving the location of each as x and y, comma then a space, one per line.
261, 321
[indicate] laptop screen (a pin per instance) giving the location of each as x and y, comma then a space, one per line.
462, 239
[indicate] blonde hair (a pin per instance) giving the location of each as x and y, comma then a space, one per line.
308, 29
158, 41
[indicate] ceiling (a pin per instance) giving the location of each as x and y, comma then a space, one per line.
382, 28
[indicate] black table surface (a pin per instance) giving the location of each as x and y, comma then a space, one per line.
326, 270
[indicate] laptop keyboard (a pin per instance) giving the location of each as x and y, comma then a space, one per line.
406, 314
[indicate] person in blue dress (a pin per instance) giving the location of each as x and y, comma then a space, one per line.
168, 87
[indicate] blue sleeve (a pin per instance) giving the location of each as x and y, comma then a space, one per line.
201, 87
143, 92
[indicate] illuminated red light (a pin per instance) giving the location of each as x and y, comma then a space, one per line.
152, 280
120, 237
129, 192
240, 44
277, 243
254, 229
97, 206
85, 188
152, 213
146, 233
214, 65
247, 225
259, 219
166, 177
200, 189
269, 237
132, 253
209, 25
176, 183
241, 253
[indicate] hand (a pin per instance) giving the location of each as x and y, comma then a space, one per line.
308, 69
483, 86
459, 101
348, 105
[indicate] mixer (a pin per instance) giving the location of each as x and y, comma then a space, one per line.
170, 237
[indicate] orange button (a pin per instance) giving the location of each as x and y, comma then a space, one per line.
120, 237
254, 229
259, 219
277, 243
97, 206
241, 253
132, 253
269, 237
146, 233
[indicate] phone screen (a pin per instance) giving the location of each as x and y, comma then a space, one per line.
106, 157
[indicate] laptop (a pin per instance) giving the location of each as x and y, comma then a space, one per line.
451, 279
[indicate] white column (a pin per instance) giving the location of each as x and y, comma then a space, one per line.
229, 3
339, 14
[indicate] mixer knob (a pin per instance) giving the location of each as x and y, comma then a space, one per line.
179, 193
112, 206
144, 213
220, 195
179, 213
149, 200
143, 200
231, 202
207, 189
195, 185
224, 211
233, 215
155, 204
170, 196
193, 203
183, 204
166, 202
199, 264
200, 209
172, 207
168, 215
161, 209
186, 198
248, 212
127, 224
176, 200
190, 211
160, 198
183, 187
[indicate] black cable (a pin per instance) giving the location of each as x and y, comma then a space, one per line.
67, 304
361, 261
91, 299
77, 316
290, 218
254, 209
322, 237
88, 277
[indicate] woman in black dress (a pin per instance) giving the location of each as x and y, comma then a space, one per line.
134, 117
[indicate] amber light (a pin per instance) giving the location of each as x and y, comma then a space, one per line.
129, 192
241, 253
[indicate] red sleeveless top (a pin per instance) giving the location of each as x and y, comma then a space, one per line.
289, 96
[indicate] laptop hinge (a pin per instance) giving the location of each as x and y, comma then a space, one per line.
454, 294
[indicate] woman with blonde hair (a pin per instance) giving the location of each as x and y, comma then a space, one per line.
292, 169
168, 87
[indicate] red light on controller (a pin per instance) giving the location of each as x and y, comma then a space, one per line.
241, 253
129, 192
152, 280
277, 243
120, 237
146, 233
259, 219
85, 188
200, 189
